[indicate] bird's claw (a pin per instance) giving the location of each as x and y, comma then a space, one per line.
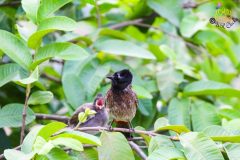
110, 128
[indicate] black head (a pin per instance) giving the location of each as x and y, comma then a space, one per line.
121, 79
99, 101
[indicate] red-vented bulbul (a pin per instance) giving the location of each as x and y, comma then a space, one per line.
121, 100
98, 119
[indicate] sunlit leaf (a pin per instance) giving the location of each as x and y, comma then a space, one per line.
31, 8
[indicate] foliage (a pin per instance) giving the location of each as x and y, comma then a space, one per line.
55, 55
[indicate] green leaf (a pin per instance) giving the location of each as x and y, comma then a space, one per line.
51, 128
50, 25
197, 146
68, 142
80, 136
58, 154
15, 48
66, 51
12, 154
166, 153
87, 154
31, 8
190, 24
48, 7
229, 113
32, 78
142, 92
162, 124
11, 115
218, 133
168, 52
40, 97
204, 115
29, 140
159, 141
120, 47
179, 112
96, 78
233, 151
8, 72
210, 88
114, 146
168, 80
170, 10
41, 146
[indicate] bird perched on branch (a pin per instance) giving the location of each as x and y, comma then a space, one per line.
100, 118
121, 100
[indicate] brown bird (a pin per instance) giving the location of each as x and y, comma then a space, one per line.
98, 119
121, 100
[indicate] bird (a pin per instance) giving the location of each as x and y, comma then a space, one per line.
121, 101
100, 118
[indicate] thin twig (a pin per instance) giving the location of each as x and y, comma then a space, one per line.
56, 61
52, 117
126, 23
138, 150
99, 21
11, 4
24, 113
51, 78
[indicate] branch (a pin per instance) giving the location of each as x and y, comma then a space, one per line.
11, 4
51, 78
24, 113
126, 23
52, 117
138, 150
149, 133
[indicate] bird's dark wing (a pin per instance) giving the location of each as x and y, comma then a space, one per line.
74, 119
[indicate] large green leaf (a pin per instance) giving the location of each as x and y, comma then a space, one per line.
162, 124
168, 80
179, 112
48, 7
66, 51
11, 115
80, 136
58, 154
159, 141
51, 128
15, 48
12, 154
210, 88
29, 140
31, 8
166, 153
114, 146
233, 151
197, 146
8, 72
32, 78
68, 142
204, 115
50, 25
218, 133
40, 97
170, 10
190, 24
120, 47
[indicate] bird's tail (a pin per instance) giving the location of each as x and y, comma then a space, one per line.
123, 124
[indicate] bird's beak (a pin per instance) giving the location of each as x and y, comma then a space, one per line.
110, 77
